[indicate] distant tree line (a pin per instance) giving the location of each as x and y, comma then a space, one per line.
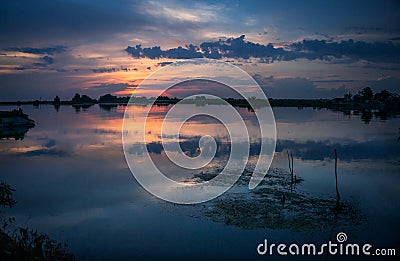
366, 95
85, 99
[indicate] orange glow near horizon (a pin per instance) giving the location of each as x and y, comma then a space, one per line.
128, 71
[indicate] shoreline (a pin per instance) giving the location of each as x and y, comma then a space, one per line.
299, 103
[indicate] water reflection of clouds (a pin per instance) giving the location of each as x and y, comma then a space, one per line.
347, 150
93, 187
310, 134
197, 125
63, 133
191, 147
306, 150
309, 124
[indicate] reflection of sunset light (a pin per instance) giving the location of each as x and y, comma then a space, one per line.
195, 127
113, 125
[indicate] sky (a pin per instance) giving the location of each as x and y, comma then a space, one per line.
304, 49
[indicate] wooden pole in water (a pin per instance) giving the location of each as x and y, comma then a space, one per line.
290, 160
336, 177
291, 155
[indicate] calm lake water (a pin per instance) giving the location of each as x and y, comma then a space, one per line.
73, 183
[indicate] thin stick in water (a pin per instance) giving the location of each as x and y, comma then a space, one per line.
336, 177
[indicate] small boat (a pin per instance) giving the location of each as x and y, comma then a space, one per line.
14, 124
15, 118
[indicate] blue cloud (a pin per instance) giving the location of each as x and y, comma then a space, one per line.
162, 64
45, 60
306, 49
323, 50
104, 70
45, 50
155, 52
44, 152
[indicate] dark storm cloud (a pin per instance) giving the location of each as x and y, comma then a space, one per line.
229, 48
323, 50
162, 64
114, 69
44, 152
239, 48
104, 70
74, 22
306, 49
155, 52
47, 59
44, 61
45, 50
30, 22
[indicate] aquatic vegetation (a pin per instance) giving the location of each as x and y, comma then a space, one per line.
6, 199
28, 244
23, 243
272, 208
277, 204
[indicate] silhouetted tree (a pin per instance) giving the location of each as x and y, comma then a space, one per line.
357, 97
108, 98
382, 96
57, 101
348, 97
366, 94
84, 99
87, 99
77, 98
